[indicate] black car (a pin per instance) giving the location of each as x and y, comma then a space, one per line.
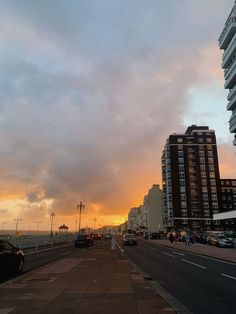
11, 258
83, 239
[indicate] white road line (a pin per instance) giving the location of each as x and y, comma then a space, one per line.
168, 254
186, 261
182, 254
228, 276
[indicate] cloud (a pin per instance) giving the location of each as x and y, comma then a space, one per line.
89, 94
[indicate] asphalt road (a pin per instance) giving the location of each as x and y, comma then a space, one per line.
203, 285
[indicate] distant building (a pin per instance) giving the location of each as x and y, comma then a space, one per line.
148, 216
227, 42
226, 219
190, 178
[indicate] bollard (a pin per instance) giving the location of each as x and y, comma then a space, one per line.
113, 244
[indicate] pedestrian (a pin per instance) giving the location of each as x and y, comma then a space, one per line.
171, 237
187, 239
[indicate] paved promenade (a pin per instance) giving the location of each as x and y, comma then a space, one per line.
98, 280
227, 254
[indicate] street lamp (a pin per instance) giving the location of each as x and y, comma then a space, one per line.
36, 244
17, 222
52, 215
80, 207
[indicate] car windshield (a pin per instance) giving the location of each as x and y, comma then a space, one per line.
129, 236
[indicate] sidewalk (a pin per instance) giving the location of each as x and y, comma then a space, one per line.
226, 254
98, 280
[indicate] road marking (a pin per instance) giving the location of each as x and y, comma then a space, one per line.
186, 261
48, 249
168, 254
182, 254
228, 276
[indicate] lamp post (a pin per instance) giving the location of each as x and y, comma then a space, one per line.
17, 222
52, 215
37, 230
80, 207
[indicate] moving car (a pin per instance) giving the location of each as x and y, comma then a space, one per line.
11, 258
129, 239
83, 239
220, 241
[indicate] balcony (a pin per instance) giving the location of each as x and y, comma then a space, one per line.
227, 33
232, 123
229, 52
232, 103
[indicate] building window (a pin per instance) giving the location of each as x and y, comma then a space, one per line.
182, 197
182, 182
214, 205
182, 189
205, 205
202, 160
210, 160
212, 175
180, 153
204, 189
213, 190
181, 167
181, 175
184, 221
213, 182
229, 198
206, 213
200, 140
204, 182
201, 153
209, 140
179, 140
224, 206
214, 197
211, 168
205, 197
181, 160
184, 213
207, 222
203, 174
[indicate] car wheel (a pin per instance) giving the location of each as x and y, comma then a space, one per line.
20, 266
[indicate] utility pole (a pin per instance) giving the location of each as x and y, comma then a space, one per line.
80, 207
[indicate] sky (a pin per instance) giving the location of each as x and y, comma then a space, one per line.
90, 91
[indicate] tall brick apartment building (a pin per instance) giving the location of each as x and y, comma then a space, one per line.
191, 180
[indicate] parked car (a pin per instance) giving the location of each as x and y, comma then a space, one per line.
220, 241
152, 235
11, 258
202, 238
83, 239
129, 239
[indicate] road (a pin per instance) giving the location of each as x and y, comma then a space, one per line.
203, 285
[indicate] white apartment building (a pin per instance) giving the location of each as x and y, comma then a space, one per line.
148, 216
227, 42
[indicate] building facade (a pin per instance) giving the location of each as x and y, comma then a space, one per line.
148, 216
191, 181
227, 217
227, 42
